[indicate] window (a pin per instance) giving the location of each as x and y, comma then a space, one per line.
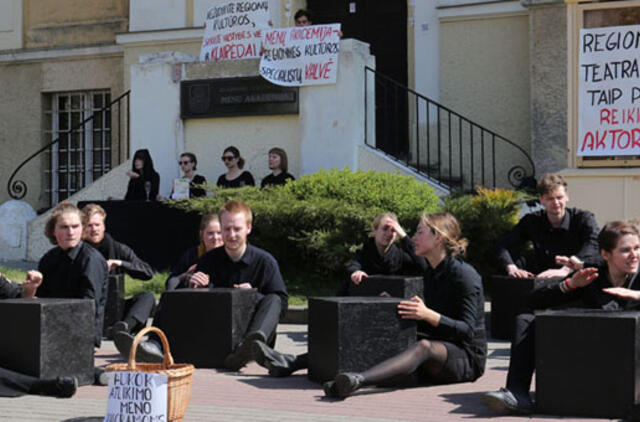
83, 152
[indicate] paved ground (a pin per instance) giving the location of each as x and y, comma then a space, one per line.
251, 395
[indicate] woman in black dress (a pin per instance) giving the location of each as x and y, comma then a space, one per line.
235, 177
210, 238
279, 166
188, 164
452, 345
144, 182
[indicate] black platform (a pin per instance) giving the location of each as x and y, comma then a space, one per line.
47, 338
587, 363
114, 305
354, 333
392, 285
203, 326
157, 233
508, 298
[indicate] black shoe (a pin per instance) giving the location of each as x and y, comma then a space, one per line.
66, 386
347, 383
330, 390
505, 401
120, 326
244, 352
278, 364
147, 351
100, 377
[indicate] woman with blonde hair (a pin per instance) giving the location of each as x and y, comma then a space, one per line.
452, 344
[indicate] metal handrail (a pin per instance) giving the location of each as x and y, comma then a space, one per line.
18, 189
444, 142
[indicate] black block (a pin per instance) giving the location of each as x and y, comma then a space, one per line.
508, 298
47, 338
393, 285
203, 326
354, 333
114, 306
587, 363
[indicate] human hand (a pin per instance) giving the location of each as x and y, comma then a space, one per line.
242, 286
357, 276
573, 262
516, 272
555, 272
397, 228
198, 280
113, 263
133, 174
623, 293
413, 309
31, 283
583, 278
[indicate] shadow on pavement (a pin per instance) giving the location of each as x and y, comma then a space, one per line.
470, 404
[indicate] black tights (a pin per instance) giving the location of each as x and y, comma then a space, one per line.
429, 356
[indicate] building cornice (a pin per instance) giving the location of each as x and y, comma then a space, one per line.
41, 54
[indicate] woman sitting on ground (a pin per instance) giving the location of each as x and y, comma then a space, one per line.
453, 345
278, 164
144, 182
235, 177
188, 164
210, 238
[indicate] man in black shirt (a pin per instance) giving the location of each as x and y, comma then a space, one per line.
73, 269
240, 265
563, 238
120, 258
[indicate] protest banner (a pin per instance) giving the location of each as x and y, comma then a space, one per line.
298, 56
609, 91
233, 30
137, 396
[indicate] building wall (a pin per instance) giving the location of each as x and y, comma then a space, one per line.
10, 24
484, 68
73, 22
22, 118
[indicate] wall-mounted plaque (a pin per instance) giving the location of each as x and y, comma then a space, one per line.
228, 97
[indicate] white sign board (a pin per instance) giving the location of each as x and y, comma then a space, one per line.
609, 91
138, 396
233, 30
303, 55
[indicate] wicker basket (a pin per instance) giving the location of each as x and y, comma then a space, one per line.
178, 374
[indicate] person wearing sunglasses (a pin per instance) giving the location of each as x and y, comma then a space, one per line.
235, 177
188, 164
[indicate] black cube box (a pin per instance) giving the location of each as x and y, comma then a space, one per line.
393, 285
587, 362
203, 326
509, 297
114, 305
48, 338
354, 333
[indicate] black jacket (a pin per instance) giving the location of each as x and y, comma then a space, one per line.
131, 264
9, 290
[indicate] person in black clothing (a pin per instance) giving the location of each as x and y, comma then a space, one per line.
562, 237
237, 265
234, 177
73, 269
189, 164
210, 238
378, 256
303, 17
14, 384
120, 259
611, 285
278, 164
453, 346
144, 182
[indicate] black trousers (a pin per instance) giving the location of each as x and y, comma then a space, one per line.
522, 363
266, 317
139, 308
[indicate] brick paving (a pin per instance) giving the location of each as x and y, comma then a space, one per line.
251, 395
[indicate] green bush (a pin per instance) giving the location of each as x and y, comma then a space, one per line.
483, 218
314, 225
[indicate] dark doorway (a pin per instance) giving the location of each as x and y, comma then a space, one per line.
382, 24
